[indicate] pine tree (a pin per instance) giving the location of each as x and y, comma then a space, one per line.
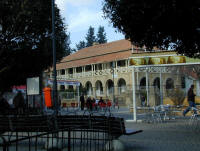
101, 35
81, 45
90, 37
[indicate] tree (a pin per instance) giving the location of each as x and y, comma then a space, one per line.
25, 40
164, 24
81, 45
101, 35
90, 37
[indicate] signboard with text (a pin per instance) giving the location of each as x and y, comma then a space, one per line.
33, 86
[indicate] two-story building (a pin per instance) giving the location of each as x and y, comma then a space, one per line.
105, 70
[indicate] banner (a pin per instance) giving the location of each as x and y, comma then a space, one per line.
64, 82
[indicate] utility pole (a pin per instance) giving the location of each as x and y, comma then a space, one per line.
54, 58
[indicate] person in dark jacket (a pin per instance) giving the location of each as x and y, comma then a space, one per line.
89, 103
19, 102
82, 100
191, 100
4, 105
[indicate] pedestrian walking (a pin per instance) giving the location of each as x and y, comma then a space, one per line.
4, 105
89, 103
191, 100
82, 100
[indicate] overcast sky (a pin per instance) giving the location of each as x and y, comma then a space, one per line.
80, 14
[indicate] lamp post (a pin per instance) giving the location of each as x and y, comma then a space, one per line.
54, 57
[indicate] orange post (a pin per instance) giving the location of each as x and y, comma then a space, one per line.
47, 96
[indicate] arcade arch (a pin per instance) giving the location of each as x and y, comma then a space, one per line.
156, 86
109, 87
121, 86
99, 88
88, 87
169, 83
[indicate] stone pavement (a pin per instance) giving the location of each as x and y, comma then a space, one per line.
170, 136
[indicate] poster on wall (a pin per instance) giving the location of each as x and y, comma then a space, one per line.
33, 86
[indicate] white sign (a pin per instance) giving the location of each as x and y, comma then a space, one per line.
33, 86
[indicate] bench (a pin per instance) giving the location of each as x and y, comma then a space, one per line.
114, 126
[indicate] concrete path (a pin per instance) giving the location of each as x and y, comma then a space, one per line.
169, 136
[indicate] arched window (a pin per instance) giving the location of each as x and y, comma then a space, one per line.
121, 86
143, 83
99, 88
88, 87
110, 87
169, 83
156, 83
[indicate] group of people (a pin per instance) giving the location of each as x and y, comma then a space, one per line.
18, 103
92, 103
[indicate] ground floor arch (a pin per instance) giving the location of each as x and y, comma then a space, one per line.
109, 87
89, 89
121, 86
98, 88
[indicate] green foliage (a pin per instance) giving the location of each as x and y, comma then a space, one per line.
81, 45
25, 40
101, 35
160, 23
90, 37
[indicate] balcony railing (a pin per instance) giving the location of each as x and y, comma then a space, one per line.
104, 72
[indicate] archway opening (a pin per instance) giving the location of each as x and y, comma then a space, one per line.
88, 87
99, 88
121, 86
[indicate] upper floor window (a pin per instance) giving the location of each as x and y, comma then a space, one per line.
98, 66
62, 72
79, 69
112, 64
121, 63
88, 68
70, 71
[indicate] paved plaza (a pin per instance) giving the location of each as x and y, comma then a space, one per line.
176, 134
169, 136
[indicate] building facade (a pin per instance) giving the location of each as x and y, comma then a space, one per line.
106, 70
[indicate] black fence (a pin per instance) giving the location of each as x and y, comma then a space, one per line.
66, 139
59, 133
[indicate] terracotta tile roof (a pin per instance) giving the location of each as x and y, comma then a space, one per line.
107, 52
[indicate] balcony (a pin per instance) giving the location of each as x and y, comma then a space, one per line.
104, 72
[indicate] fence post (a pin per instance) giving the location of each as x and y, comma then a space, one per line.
69, 139
5, 147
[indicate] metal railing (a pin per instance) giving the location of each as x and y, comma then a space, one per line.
79, 137
65, 139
